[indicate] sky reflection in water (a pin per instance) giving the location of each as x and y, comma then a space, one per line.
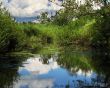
36, 74
66, 69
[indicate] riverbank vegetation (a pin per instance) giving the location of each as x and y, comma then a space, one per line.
68, 27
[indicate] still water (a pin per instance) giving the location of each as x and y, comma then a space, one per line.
65, 69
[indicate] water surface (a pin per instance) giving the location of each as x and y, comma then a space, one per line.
65, 69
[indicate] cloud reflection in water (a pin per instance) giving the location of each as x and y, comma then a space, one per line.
36, 74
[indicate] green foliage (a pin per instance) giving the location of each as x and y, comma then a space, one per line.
32, 37
77, 32
44, 17
76, 24
10, 38
102, 26
61, 19
74, 59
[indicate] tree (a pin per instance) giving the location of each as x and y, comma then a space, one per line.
72, 10
10, 37
5, 25
44, 17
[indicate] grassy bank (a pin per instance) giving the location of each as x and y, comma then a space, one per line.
33, 37
72, 32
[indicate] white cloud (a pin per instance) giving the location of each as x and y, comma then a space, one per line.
35, 66
33, 83
28, 8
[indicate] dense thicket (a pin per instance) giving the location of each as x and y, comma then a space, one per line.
90, 8
76, 24
9, 36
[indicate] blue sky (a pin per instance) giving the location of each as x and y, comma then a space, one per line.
33, 8
29, 8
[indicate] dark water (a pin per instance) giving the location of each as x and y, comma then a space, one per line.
67, 68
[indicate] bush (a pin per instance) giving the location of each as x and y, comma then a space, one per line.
10, 38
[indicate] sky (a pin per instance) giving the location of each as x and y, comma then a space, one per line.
34, 71
33, 8
29, 8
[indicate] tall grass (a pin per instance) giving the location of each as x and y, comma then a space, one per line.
79, 31
32, 37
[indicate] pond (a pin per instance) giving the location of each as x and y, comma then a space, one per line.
68, 68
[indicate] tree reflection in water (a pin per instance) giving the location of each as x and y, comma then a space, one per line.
9, 70
101, 64
77, 62
96, 60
